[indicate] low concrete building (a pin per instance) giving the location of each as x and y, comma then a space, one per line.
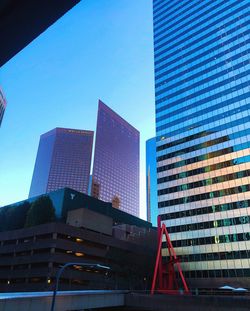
30, 257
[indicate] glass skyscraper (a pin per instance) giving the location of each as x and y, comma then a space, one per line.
151, 181
2, 106
63, 160
202, 71
115, 175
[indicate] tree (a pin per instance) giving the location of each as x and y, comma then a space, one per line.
16, 216
42, 211
3, 211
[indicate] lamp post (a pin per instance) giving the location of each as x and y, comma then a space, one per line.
59, 273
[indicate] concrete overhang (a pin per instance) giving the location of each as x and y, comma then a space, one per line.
21, 21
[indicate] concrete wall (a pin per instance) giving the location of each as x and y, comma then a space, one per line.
142, 236
82, 300
88, 219
187, 303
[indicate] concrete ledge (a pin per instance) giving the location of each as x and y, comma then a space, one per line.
187, 303
65, 301
79, 300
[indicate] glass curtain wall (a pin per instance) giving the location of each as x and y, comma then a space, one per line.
202, 68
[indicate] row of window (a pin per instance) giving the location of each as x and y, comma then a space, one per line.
189, 42
227, 238
29, 239
205, 144
202, 100
220, 74
218, 116
173, 30
185, 16
168, 67
238, 103
214, 256
159, 5
204, 169
208, 101
193, 91
232, 63
206, 196
2, 109
206, 210
231, 109
196, 79
196, 60
202, 157
1, 117
205, 182
190, 119
228, 273
210, 224
201, 134
174, 9
199, 67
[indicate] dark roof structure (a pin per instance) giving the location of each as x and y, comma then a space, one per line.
67, 199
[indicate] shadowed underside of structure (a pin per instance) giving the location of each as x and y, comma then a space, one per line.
21, 21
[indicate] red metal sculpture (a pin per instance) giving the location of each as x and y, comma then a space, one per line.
165, 271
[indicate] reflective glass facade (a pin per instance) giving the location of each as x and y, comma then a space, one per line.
151, 181
115, 175
63, 160
2, 105
203, 135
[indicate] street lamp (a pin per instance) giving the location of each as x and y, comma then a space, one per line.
59, 273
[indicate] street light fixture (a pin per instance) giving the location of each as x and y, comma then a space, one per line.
59, 273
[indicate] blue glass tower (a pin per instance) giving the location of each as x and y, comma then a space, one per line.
151, 181
63, 160
203, 135
116, 177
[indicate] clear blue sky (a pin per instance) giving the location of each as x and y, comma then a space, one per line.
101, 49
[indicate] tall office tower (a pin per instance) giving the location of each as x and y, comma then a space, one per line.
203, 135
115, 175
63, 160
2, 105
151, 181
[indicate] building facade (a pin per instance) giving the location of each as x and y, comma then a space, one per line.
31, 257
63, 160
115, 175
151, 181
3, 104
203, 135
